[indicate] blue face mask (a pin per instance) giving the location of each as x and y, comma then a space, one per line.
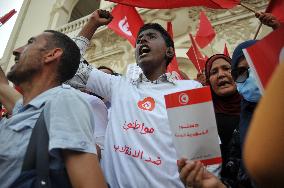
249, 89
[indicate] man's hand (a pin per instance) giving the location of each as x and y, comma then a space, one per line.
193, 174
201, 78
98, 18
268, 19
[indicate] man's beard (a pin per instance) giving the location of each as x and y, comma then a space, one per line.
18, 77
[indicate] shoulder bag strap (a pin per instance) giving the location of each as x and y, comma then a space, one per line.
37, 155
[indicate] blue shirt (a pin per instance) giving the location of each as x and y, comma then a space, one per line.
68, 120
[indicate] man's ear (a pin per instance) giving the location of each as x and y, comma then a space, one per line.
170, 52
53, 54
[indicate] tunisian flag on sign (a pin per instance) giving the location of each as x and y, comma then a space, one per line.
276, 7
173, 66
126, 22
205, 33
7, 16
168, 4
263, 57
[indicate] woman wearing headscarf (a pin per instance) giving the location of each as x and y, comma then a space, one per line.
192, 172
226, 101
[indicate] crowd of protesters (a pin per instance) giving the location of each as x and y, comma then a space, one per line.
85, 109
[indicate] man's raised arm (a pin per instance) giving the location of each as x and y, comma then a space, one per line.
97, 19
99, 82
8, 95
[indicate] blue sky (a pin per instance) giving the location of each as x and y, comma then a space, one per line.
6, 29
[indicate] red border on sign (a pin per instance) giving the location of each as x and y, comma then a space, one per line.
188, 97
212, 161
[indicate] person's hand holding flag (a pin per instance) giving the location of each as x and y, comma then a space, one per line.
273, 15
268, 19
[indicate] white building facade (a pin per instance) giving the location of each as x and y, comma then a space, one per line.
68, 16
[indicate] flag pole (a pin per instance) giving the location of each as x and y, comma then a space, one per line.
252, 10
194, 50
257, 32
248, 8
196, 59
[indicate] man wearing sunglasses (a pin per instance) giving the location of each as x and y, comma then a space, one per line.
246, 85
243, 76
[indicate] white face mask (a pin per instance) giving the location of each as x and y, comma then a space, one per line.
249, 89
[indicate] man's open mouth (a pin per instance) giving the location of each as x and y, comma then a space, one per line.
144, 50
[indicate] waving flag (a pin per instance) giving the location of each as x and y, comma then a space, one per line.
126, 22
7, 16
173, 66
195, 56
197, 59
168, 4
276, 7
226, 51
263, 57
205, 33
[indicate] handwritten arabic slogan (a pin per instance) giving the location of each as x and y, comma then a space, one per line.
137, 154
193, 125
137, 126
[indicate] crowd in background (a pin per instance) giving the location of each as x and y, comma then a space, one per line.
87, 140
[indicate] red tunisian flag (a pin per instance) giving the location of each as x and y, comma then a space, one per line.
276, 7
126, 22
263, 57
173, 66
226, 51
7, 16
195, 56
205, 33
168, 4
